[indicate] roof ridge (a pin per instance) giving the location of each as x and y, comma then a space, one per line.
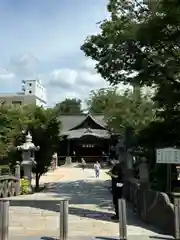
70, 114
80, 114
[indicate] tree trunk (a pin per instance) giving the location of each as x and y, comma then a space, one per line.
37, 181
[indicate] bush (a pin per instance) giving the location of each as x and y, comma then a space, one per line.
25, 187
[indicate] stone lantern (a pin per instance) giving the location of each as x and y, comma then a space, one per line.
143, 170
28, 148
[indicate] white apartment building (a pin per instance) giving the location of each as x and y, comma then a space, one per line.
33, 92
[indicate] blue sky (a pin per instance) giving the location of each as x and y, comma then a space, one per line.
43, 38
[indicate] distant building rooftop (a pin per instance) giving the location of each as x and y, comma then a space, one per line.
12, 94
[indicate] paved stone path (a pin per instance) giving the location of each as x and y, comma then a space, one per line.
90, 209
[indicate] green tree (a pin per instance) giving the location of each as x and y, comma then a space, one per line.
15, 122
130, 109
11, 120
45, 129
139, 46
69, 106
99, 100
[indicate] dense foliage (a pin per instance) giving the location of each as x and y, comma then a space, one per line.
25, 187
122, 110
141, 47
136, 45
69, 106
15, 122
99, 100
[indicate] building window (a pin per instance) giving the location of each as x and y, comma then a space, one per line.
30, 84
30, 92
88, 145
16, 103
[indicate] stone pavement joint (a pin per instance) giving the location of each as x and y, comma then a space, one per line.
90, 209
132, 237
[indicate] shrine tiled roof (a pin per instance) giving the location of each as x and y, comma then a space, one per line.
71, 126
82, 132
71, 121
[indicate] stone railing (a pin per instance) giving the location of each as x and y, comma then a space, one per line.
9, 186
151, 206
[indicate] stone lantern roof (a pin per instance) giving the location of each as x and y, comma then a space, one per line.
28, 145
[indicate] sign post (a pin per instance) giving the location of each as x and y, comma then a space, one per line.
168, 156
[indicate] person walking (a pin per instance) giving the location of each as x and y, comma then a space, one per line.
117, 186
97, 168
83, 163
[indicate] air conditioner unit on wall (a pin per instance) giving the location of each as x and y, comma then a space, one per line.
23, 88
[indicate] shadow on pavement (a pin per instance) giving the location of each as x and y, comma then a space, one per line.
80, 193
69, 238
48, 238
160, 238
130, 237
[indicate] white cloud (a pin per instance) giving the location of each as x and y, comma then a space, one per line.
63, 77
6, 75
7, 80
68, 83
89, 65
60, 83
85, 76
77, 83
89, 78
25, 66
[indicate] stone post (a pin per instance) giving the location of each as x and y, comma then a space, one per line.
144, 186
4, 219
176, 197
18, 176
56, 160
64, 209
129, 164
143, 170
122, 219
